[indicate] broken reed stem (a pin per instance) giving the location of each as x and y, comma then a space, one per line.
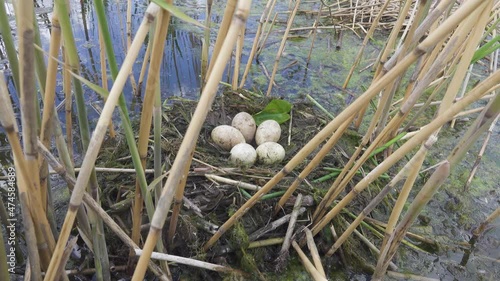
316, 275
425, 46
314, 252
482, 227
185, 154
291, 226
273, 225
97, 138
282, 47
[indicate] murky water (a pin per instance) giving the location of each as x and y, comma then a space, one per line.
322, 78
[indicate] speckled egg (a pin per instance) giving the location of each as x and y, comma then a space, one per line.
245, 124
268, 131
270, 153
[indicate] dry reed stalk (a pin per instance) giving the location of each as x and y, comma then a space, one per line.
35, 238
184, 156
265, 243
314, 252
145, 62
482, 227
314, 33
237, 58
388, 49
272, 225
422, 198
429, 76
479, 90
101, 260
289, 231
480, 20
67, 254
388, 93
315, 274
282, 47
264, 40
177, 203
48, 101
368, 35
265, 13
223, 30
412, 167
312, 165
33, 263
233, 182
27, 95
97, 138
335, 238
104, 74
480, 155
63, 151
424, 47
36, 196
192, 262
141, 194
94, 206
206, 43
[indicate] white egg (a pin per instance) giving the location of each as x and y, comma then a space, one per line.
268, 131
243, 155
245, 124
227, 137
270, 153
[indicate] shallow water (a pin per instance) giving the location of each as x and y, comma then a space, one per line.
452, 213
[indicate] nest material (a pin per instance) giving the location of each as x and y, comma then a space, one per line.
362, 13
215, 202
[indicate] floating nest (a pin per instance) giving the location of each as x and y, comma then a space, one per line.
208, 202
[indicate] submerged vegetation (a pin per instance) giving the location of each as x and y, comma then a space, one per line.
351, 190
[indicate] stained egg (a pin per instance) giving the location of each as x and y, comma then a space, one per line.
227, 137
268, 131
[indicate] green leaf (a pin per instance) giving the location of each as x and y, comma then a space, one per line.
177, 13
486, 49
276, 110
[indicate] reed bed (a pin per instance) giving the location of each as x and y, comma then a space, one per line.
204, 219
